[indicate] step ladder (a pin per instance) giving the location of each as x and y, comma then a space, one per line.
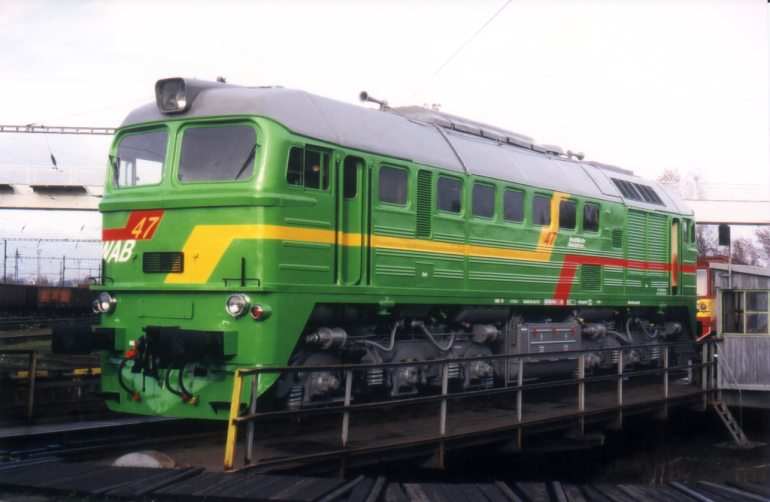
732, 425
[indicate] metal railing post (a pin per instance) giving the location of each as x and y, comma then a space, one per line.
252, 411
665, 372
232, 425
520, 392
442, 426
620, 389
31, 391
520, 404
620, 378
582, 390
713, 351
704, 375
346, 415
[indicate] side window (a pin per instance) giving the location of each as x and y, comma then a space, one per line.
513, 205
350, 177
483, 201
591, 218
541, 210
449, 195
393, 185
308, 168
567, 214
686, 231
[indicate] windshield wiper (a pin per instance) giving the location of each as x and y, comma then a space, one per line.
115, 162
247, 161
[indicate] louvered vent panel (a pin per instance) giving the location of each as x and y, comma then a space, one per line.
591, 277
424, 179
163, 263
657, 238
637, 235
617, 238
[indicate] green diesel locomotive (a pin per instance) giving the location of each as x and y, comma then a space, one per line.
249, 227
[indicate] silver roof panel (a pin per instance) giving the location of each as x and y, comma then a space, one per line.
412, 133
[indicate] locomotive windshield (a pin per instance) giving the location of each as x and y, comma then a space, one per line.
217, 153
140, 159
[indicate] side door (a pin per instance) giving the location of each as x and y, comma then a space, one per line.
306, 251
351, 224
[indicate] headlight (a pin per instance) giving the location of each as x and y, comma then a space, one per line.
237, 305
171, 95
104, 303
702, 307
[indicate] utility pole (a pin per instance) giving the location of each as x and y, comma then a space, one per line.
39, 276
16, 268
63, 267
5, 258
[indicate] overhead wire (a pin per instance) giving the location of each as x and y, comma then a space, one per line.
454, 55
134, 102
54, 162
79, 114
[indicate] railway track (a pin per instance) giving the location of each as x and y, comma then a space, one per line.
71, 439
42, 321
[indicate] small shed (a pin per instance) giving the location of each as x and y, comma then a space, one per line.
743, 294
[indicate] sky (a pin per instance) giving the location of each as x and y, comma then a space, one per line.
646, 85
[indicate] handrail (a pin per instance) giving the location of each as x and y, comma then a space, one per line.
490, 357
32, 370
729, 371
236, 417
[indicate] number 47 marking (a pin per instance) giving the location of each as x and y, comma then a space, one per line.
141, 232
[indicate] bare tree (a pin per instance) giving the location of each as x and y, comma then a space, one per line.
670, 176
687, 186
763, 239
42, 280
745, 252
706, 240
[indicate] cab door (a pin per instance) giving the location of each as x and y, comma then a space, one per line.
350, 220
676, 258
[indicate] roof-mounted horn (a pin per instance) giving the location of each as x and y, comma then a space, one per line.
364, 96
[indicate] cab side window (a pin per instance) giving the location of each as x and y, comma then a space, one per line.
541, 210
483, 201
308, 168
393, 186
513, 205
591, 218
567, 214
449, 195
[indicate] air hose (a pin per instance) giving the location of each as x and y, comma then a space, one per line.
134, 394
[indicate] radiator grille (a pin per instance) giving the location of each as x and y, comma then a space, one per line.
591, 277
617, 238
424, 179
637, 235
163, 263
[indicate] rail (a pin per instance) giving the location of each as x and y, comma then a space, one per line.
31, 374
705, 363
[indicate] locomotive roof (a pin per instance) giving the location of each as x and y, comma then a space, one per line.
420, 135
